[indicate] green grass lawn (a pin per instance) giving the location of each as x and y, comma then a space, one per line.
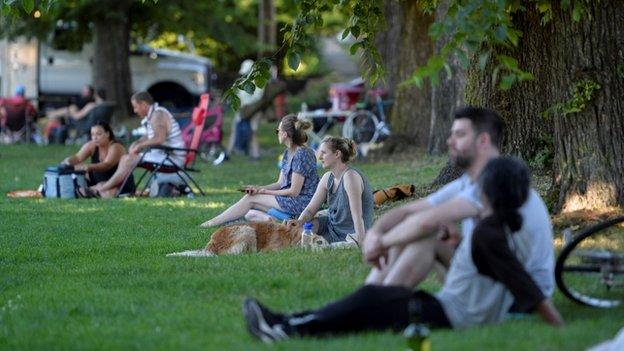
92, 274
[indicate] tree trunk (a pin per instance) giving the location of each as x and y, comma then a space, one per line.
447, 96
587, 144
404, 46
267, 28
111, 59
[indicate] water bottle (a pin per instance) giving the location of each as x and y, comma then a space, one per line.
306, 236
417, 336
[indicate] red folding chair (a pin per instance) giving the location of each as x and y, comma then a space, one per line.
167, 165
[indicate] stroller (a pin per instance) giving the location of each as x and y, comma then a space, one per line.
210, 148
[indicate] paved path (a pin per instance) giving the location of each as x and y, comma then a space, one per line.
339, 59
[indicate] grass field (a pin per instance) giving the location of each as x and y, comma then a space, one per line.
92, 274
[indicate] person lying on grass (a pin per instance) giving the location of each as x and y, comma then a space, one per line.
294, 188
346, 191
486, 280
105, 153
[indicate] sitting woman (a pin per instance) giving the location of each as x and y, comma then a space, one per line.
105, 154
293, 190
346, 191
487, 279
74, 116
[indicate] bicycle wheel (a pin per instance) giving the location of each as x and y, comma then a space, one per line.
362, 127
213, 153
590, 268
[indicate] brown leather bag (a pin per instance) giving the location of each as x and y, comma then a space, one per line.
394, 193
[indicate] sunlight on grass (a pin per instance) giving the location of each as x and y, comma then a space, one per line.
186, 204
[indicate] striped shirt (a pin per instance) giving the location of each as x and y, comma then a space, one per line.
174, 134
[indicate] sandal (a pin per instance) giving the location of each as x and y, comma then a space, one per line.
88, 193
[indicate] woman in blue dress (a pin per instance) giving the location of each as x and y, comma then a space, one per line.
294, 188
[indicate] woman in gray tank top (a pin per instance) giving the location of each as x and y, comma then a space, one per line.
346, 192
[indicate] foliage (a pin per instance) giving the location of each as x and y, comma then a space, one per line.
366, 18
544, 157
475, 28
582, 93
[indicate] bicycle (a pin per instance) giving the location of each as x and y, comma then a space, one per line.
364, 123
364, 126
590, 267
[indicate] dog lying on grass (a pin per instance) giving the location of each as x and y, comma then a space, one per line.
253, 237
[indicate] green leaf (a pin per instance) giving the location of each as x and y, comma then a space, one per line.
463, 59
293, 60
345, 34
544, 6
355, 30
523, 76
501, 33
508, 61
507, 81
513, 36
435, 30
436, 62
229, 97
495, 74
577, 12
28, 5
261, 82
354, 48
249, 87
483, 59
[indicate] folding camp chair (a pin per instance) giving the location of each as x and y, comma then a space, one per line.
167, 165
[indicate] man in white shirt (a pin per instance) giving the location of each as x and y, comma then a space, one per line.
162, 130
403, 246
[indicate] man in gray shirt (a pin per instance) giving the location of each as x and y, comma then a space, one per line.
402, 246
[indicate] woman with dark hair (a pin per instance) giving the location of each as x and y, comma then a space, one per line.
346, 191
294, 188
487, 279
105, 153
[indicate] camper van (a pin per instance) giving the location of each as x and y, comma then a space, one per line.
49, 75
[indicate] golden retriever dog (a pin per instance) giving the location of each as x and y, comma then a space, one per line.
253, 237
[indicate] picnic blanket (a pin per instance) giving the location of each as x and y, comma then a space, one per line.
393, 193
24, 193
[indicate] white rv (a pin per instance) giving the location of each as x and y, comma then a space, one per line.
172, 77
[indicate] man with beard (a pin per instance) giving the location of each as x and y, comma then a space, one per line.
474, 140
402, 246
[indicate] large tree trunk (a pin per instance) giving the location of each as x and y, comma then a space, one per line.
447, 96
588, 144
404, 46
111, 59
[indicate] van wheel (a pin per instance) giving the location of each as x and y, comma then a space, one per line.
171, 96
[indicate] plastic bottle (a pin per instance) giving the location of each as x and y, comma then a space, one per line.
417, 337
306, 236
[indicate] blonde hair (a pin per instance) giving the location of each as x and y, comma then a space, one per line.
347, 147
296, 129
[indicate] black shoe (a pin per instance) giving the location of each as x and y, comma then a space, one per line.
262, 323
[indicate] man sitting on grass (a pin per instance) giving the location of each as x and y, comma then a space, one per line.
519, 278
